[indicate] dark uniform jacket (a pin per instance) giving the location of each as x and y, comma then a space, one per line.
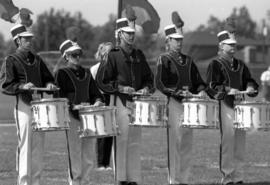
223, 74
20, 68
175, 71
122, 69
78, 86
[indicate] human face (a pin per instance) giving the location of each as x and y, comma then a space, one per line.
228, 48
74, 57
175, 44
128, 37
25, 43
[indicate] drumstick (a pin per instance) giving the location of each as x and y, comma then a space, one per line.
241, 92
43, 89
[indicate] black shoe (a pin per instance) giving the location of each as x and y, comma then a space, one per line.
239, 182
122, 183
132, 183
229, 183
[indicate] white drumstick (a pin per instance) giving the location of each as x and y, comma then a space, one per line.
43, 89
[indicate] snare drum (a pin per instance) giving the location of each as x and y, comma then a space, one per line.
50, 114
200, 113
252, 115
149, 111
98, 121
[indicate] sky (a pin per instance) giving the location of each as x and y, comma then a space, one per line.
193, 12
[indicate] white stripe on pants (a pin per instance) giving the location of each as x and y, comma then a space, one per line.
30, 148
233, 143
128, 145
180, 144
81, 155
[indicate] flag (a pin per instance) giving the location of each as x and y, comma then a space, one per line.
146, 15
8, 10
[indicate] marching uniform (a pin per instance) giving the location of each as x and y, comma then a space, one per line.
174, 72
78, 86
224, 73
123, 69
18, 69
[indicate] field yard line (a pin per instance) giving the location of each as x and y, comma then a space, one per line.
7, 124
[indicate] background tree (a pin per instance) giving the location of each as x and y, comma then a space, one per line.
245, 26
50, 29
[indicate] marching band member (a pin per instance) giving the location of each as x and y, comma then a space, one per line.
20, 72
175, 71
104, 145
228, 75
125, 72
77, 85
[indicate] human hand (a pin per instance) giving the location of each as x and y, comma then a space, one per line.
126, 89
144, 91
99, 103
27, 86
233, 91
51, 86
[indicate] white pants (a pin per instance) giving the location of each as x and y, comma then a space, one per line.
128, 143
233, 143
30, 148
81, 153
180, 144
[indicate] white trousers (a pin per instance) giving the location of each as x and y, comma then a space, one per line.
128, 143
180, 144
233, 142
30, 148
81, 155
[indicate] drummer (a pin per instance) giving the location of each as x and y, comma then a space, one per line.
228, 75
176, 73
20, 72
125, 72
77, 85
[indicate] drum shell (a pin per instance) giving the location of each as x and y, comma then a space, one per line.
98, 121
50, 114
252, 115
200, 113
149, 111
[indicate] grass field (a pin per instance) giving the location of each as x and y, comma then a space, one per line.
154, 158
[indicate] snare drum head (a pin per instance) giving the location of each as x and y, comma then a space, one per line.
250, 103
46, 100
90, 108
150, 98
199, 100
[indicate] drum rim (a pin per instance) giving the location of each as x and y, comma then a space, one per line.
194, 100
150, 98
252, 103
44, 100
91, 108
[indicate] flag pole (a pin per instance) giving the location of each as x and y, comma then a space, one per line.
120, 7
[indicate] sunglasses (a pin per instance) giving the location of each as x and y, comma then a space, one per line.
76, 55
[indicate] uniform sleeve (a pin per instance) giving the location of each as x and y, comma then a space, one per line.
8, 78
162, 76
94, 93
106, 76
215, 79
197, 81
61, 78
148, 77
46, 75
249, 81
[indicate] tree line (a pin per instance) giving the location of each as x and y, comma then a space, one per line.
51, 26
